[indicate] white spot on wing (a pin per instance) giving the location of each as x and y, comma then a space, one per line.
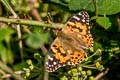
63, 64
88, 31
54, 63
89, 27
68, 63
75, 17
49, 65
59, 65
87, 23
87, 20
83, 20
46, 63
83, 16
79, 13
50, 58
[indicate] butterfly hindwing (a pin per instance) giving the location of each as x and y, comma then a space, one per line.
58, 56
62, 56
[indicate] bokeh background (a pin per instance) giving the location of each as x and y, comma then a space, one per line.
26, 34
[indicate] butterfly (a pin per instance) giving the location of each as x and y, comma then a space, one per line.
68, 47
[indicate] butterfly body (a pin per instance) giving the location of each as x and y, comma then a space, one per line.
68, 47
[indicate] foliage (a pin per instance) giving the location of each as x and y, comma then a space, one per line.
105, 22
108, 7
80, 4
5, 48
34, 40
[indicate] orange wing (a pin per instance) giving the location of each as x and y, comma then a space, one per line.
69, 51
79, 25
62, 55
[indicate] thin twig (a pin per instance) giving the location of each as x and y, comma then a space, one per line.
96, 7
9, 7
101, 74
20, 44
34, 10
17, 73
44, 50
25, 28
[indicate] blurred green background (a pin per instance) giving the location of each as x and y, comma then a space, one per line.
23, 47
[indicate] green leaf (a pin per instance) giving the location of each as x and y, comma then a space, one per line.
10, 55
37, 29
97, 45
104, 22
5, 33
3, 52
81, 4
108, 7
36, 39
94, 17
19, 66
6, 54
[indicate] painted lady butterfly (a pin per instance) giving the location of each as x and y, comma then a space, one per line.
68, 47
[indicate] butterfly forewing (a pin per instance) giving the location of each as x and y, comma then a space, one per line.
80, 25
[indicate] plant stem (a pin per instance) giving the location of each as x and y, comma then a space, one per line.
91, 67
30, 22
